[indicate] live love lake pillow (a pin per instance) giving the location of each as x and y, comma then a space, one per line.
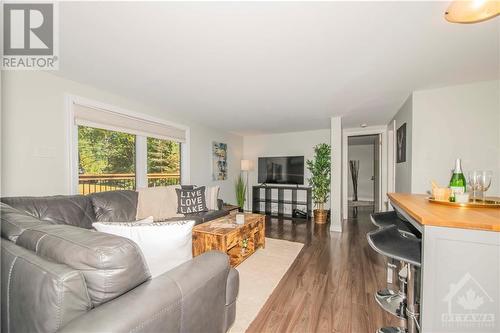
191, 200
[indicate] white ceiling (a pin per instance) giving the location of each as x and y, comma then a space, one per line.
257, 67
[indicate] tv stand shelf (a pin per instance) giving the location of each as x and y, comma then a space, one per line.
294, 203
298, 203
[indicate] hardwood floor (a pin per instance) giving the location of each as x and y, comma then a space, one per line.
330, 286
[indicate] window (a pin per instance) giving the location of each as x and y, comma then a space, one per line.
106, 160
164, 162
122, 150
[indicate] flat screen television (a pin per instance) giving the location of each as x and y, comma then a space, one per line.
281, 170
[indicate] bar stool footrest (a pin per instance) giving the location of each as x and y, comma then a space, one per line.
391, 303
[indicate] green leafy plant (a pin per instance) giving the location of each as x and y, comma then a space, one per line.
240, 189
320, 168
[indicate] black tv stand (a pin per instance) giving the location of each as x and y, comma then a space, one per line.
294, 203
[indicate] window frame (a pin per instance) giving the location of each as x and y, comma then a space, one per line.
140, 143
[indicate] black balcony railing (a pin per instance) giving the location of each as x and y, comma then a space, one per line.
88, 183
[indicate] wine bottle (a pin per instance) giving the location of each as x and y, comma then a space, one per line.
457, 182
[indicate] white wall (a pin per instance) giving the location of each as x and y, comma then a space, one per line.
365, 155
35, 145
403, 176
336, 183
283, 144
459, 121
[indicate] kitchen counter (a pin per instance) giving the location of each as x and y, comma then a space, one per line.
460, 268
434, 214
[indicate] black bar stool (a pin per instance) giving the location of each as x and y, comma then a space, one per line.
394, 301
387, 219
390, 242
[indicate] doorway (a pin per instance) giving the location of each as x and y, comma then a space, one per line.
363, 153
380, 183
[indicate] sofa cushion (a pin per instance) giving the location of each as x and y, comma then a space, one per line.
165, 245
15, 222
199, 218
115, 206
207, 216
111, 265
191, 201
159, 202
195, 219
39, 295
74, 210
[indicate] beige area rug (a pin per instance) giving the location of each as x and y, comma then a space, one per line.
259, 275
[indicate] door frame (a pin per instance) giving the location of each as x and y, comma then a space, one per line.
371, 130
377, 161
391, 160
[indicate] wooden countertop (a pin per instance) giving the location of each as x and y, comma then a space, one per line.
433, 214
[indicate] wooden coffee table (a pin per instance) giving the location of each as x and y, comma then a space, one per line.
223, 234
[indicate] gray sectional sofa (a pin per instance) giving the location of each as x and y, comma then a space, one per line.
60, 275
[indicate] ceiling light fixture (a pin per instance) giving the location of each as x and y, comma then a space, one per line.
363, 125
472, 11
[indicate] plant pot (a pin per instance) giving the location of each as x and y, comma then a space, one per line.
320, 216
240, 210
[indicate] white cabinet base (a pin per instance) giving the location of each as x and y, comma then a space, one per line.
460, 280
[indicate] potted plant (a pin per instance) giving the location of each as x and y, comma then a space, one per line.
240, 189
320, 168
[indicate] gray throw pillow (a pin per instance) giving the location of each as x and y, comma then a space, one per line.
191, 201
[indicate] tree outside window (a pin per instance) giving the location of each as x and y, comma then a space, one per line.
107, 160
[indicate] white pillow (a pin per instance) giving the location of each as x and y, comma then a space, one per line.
211, 196
165, 245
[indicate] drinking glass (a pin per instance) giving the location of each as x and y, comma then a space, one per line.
473, 182
484, 181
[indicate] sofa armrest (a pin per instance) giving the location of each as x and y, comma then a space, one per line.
232, 288
203, 285
154, 306
188, 298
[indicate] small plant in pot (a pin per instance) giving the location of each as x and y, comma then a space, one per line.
320, 168
240, 189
